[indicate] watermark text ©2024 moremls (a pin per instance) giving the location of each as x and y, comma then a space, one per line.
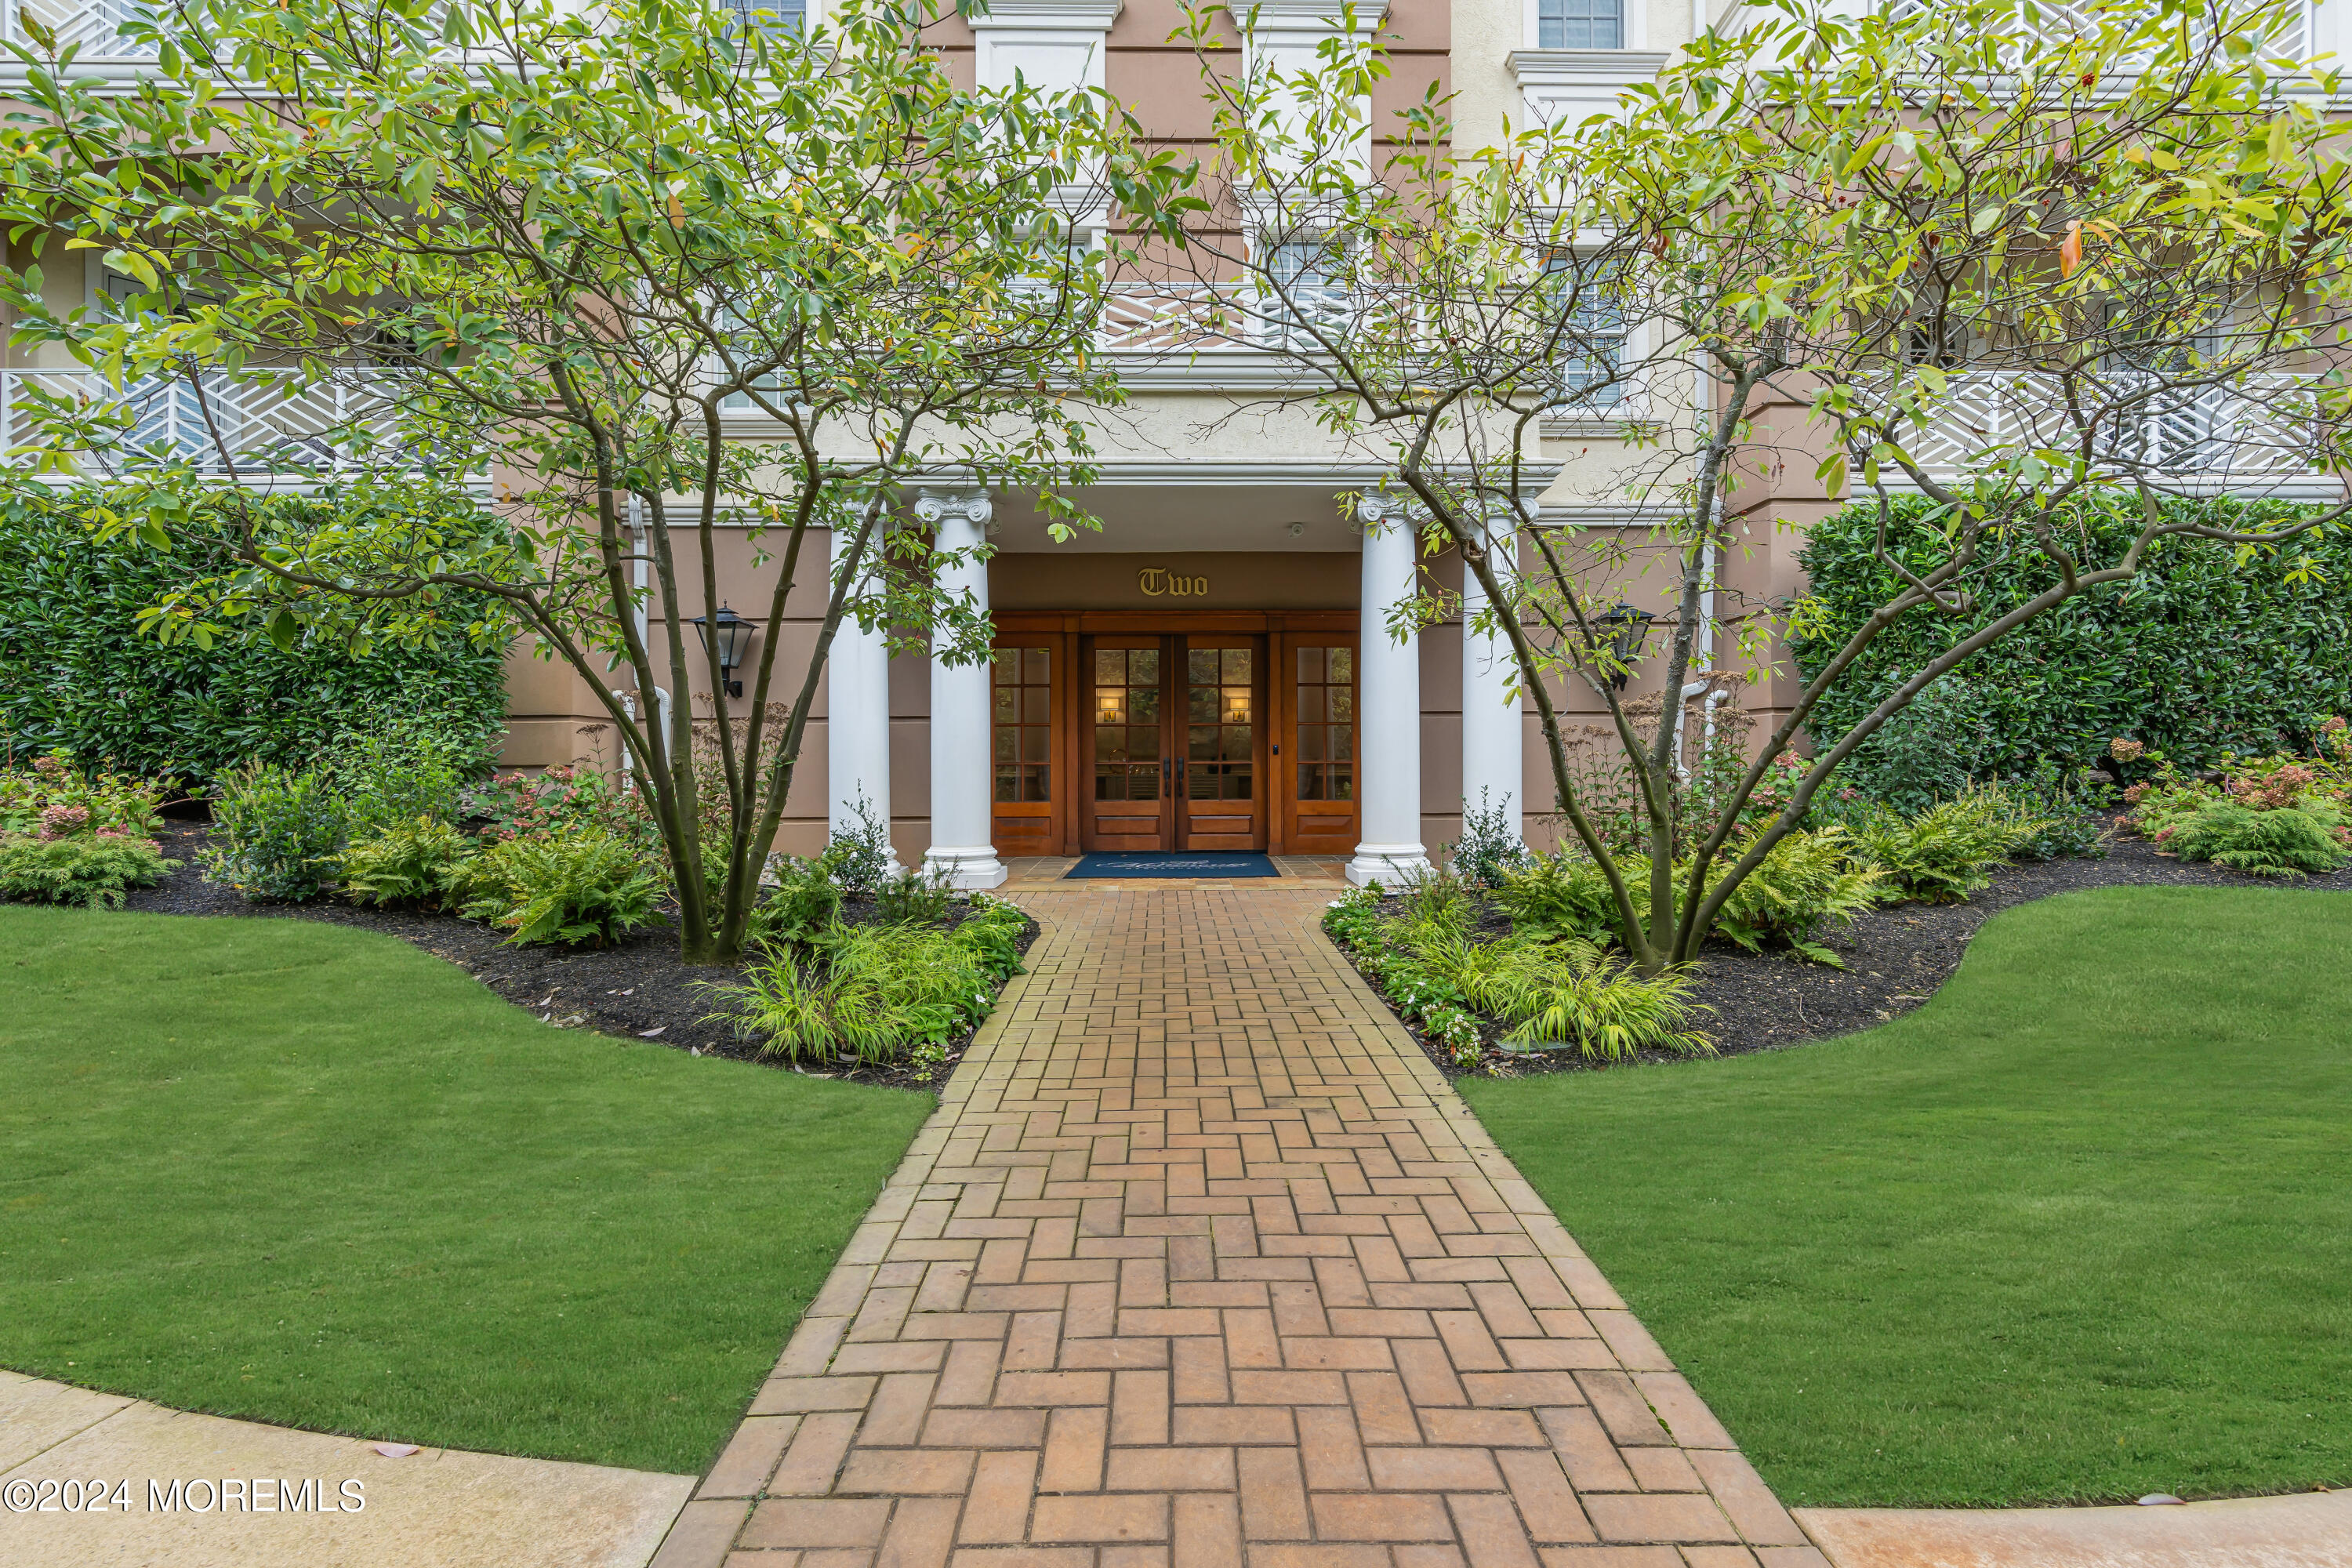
233, 1494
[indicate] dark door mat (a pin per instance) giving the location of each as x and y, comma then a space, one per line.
1162, 863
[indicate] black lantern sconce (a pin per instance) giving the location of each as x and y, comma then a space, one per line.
734, 635
1626, 629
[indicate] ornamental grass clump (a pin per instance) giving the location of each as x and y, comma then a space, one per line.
874, 992
1543, 992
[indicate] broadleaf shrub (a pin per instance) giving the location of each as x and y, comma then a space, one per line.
2199, 657
278, 834
77, 673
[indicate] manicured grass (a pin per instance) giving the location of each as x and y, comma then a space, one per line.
2078, 1230
305, 1174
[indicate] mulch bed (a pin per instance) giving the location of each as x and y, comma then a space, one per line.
636, 988
1896, 958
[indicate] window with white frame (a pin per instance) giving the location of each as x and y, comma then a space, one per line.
770, 16
1592, 361
1579, 24
1303, 287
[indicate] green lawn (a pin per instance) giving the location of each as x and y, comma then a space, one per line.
310, 1176
2078, 1230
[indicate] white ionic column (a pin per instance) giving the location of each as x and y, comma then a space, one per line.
1387, 706
857, 713
1491, 736
961, 768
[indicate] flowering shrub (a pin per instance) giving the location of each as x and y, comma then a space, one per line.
31, 794
559, 801
2317, 785
64, 821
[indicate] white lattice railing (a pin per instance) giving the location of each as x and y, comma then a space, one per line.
1152, 317
2264, 428
256, 424
2059, 23
97, 26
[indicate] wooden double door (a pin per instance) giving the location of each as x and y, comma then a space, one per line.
1174, 748
1114, 735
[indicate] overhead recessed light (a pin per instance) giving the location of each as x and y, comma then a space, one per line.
1298, 530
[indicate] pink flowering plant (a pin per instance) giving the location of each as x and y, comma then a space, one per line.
41, 795
2282, 814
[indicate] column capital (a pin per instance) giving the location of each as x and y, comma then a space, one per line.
935, 504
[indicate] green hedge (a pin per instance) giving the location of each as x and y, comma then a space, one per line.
2199, 656
77, 674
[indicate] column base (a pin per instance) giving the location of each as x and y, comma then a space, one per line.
1392, 866
967, 870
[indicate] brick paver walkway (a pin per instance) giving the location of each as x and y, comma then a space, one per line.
1201, 1264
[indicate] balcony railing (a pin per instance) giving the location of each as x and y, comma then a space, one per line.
1143, 317
97, 26
2059, 23
254, 427
2260, 431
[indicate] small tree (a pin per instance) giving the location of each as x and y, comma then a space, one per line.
1942, 250
583, 253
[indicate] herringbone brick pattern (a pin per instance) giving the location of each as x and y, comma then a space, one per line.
1201, 1264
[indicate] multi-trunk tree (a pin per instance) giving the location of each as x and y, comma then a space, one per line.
1971, 252
644, 273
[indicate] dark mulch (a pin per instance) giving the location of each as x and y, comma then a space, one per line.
1895, 957
636, 987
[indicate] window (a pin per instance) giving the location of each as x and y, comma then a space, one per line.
1302, 289
1326, 697
1219, 723
1022, 684
774, 15
1580, 24
1593, 363
1127, 723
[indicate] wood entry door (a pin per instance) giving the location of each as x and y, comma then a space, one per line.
1174, 744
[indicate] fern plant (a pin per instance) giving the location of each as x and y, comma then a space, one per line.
2290, 842
1943, 853
418, 862
91, 869
1807, 878
592, 887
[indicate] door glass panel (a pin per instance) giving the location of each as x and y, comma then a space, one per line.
1220, 718
1127, 723
1326, 708
1023, 684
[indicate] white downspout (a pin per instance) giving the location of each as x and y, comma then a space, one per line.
638, 527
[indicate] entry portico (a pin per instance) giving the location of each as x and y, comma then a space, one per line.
1213, 670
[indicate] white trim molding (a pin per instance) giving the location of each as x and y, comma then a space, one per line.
1571, 86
